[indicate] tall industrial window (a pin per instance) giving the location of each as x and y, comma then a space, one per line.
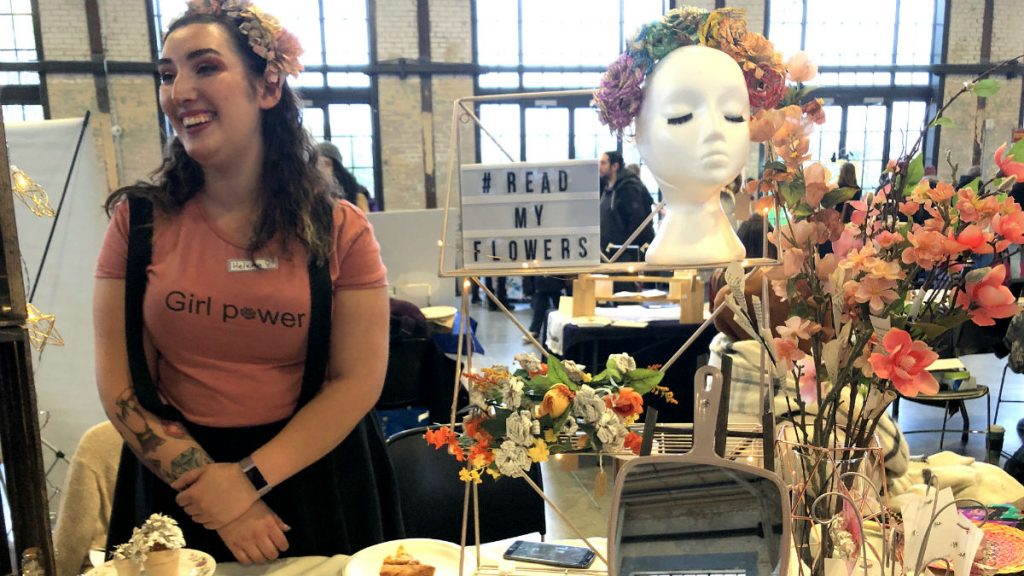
873, 77
540, 45
19, 59
334, 86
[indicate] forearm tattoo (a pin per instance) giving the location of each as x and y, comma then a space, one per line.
190, 459
130, 415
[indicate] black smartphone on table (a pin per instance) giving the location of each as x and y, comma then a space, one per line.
550, 554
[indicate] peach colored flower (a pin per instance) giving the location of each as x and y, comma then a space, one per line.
765, 124
788, 350
1010, 226
814, 111
928, 248
626, 403
904, 362
824, 267
797, 327
885, 269
793, 261
886, 239
556, 400
920, 192
815, 184
942, 192
909, 208
800, 68
848, 242
857, 260
876, 292
974, 239
633, 441
985, 297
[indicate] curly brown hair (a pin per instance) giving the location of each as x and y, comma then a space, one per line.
294, 200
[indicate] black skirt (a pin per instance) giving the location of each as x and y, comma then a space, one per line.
342, 503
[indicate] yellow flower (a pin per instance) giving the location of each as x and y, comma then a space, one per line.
557, 400
550, 436
470, 476
494, 473
539, 452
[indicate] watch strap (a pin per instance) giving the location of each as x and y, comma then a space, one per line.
252, 472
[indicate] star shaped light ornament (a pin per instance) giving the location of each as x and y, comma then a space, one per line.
42, 329
30, 193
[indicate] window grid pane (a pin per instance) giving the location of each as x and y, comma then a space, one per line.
570, 33
502, 122
22, 113
591, 137
17, 41
547, 134
352, 133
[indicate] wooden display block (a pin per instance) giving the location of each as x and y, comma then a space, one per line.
684, 288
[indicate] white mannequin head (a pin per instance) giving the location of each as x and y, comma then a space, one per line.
692, 127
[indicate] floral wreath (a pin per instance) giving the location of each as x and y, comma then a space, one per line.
621, 92
267, 38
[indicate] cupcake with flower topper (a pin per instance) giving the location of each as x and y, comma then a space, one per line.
161, 541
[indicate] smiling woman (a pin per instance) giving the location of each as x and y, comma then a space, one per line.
241, 315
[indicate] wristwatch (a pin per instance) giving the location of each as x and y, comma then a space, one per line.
255, 476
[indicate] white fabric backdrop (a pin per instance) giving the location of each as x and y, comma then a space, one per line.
64, 379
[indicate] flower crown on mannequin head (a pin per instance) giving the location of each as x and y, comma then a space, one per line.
621, 92
267, 38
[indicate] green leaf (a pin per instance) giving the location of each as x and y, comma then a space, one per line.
802, 211
557, 374
496, 426
985, 88
538, 385
915, 171
1017, 151
791, 194
837, 196
943, 121
973, 184
776, 165
612, 371
643, 380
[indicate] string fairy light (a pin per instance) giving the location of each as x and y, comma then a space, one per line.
30, 193
42, 328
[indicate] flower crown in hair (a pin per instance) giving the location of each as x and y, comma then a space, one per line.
267, 38
621, 92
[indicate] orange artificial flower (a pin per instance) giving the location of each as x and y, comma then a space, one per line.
626, 403
439, 437
556, 400
985, 296
633, 442
904, 363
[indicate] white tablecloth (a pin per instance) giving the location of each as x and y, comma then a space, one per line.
626, 316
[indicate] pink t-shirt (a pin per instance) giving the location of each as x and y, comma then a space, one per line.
232, 338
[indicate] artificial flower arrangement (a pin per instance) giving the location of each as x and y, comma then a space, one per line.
155, 544
902, 273
521, 417
915, 260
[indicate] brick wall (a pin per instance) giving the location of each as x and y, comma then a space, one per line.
397, 35
401, 136
992, 124
132, 150
451, 31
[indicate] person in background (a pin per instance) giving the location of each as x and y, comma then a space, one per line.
625, 203
84, 516
544, 293
241, 364
345, 184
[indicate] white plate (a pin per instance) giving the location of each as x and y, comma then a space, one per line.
443, 556
438, 313
190, 563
